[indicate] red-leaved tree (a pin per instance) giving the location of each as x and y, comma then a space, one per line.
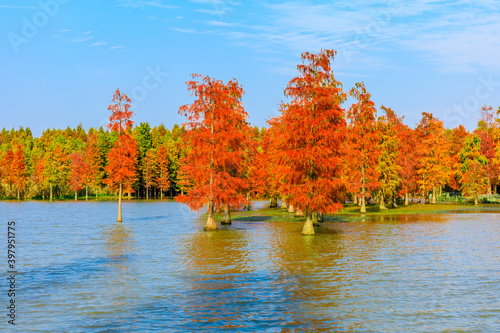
217, 138
122, 158
309, 137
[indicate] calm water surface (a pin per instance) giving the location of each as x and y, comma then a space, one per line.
157, 271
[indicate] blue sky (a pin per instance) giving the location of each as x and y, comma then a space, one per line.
61, 60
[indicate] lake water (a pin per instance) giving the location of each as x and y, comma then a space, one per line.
158, 271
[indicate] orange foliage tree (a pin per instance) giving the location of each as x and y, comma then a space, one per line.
310, 134
362, 149
212, 168
78, 170
434, 162
8, 169
19, 170
407, 162
122, 158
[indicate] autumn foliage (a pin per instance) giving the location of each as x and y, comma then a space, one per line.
310, 133
216, 141
317, 155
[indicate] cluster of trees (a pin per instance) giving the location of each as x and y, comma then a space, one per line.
62, 163
315, 156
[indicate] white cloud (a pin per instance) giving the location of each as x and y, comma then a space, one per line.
79, 40
455, 36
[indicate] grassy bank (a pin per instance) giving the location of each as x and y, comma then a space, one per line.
351, 212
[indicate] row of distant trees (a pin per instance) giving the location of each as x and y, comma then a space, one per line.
316, 155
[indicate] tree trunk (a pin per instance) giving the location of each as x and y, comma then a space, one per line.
210, 225
226, 218
489, 186
171, 193
381, 202
249, 203
273, 202
495, 189
320, 217
315, 221
86, 193
284, 204
308, 228
394, 200
147, 193
18, 195
355, 200
433, 195
50, 186
363, 205
161, 192
406, 199
290, 208
76, 195
475, 200
119, 204
299, 213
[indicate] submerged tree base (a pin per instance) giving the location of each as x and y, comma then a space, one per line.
308, 229
210, 226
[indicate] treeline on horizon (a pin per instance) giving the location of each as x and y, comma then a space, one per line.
368, 153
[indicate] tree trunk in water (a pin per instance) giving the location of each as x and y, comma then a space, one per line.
50, 186
119, 219
363, 205
406, 199
308, 228
290, 208
315, 220
381, 202
320, 217
86, 193
210, 225
475, 200
226, 218
76, 195
433, 195
299, 213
